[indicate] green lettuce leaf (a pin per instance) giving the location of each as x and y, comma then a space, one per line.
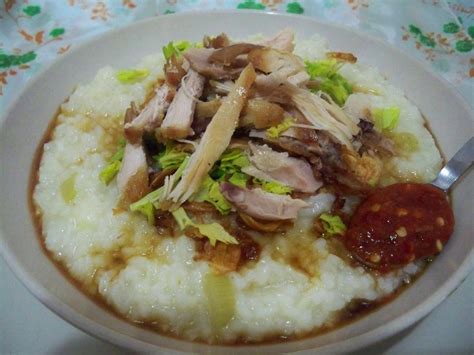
227, 167
239, 179
108, 173
175, 48
386, 119
333, 224
213, 231
273, 187
178, 173
130, 76
231, 161
149, 203
145, 204
182, 218
210, 192
68, 189
322, 68
276, 131
118, 155
171, 157
331, 82
234, 157
337, 87
220, 295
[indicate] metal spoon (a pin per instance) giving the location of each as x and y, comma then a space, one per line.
456, 167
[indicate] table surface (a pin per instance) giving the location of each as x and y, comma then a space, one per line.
28, 327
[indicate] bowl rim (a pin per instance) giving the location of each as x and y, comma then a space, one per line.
126, 341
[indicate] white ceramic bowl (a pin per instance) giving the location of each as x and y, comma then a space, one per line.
23, 125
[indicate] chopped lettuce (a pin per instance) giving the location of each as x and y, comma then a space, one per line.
211, 193
331, 82
338, 88
118, 155
234, 157
230, 162
273, 187
333, 224
276, 131
146, 208
228, 167
220, 294
322, 68
213, 231
175, 48
145, 204
130, 76
108, 173
178, 173
68, 189
386, 119
239, 179
171, 157
182, 218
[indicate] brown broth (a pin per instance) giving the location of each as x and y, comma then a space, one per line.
353, 312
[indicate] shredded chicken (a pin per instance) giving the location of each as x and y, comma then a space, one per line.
268, 164
319, 111
131, 113
299, 79
198, 59
216, 42
227, 55
283, 40
270, 60
178, 120
207, 109
132, 179
262, 205
257, 113
261, 114
216, 138
150, 117
290, 144
174, 71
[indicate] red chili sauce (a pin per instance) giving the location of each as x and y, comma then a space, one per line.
398, 224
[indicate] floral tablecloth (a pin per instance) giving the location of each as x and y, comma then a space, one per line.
33, 33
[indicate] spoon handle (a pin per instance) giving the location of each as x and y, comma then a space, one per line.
456, 166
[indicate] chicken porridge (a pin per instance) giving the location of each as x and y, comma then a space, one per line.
208, 191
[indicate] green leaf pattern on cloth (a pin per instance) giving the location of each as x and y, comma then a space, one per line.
35, 32
32, 10
294, 8
56, 32
451, 27
251, 5
7, 61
